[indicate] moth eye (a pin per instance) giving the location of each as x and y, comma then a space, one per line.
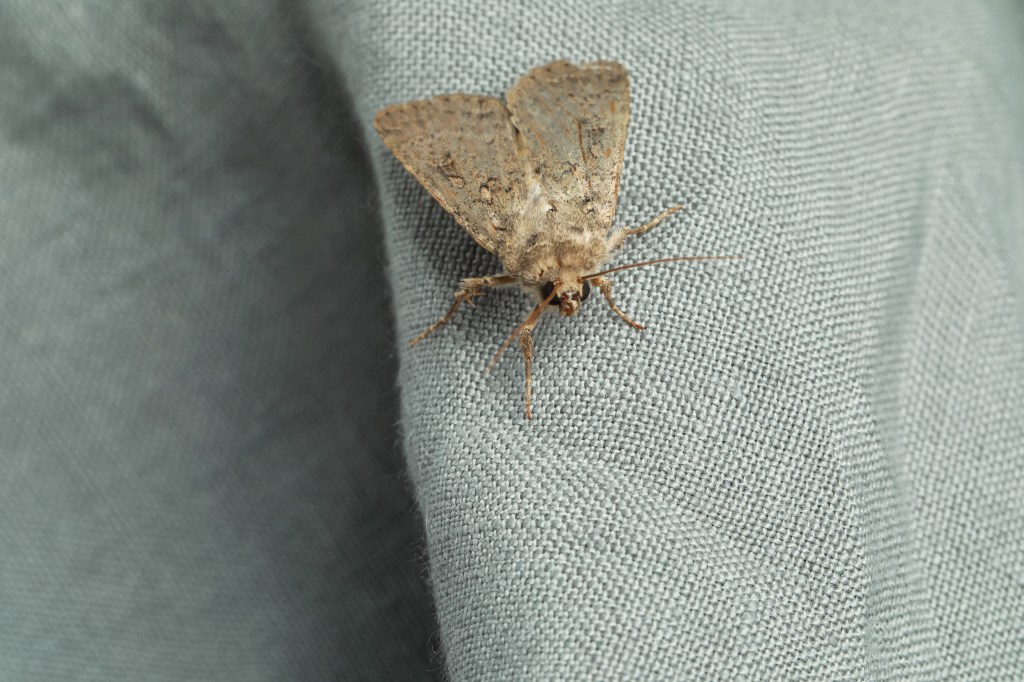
546, 290
586, 291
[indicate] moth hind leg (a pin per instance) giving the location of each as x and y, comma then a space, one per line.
469, 288
605, 285
619, 236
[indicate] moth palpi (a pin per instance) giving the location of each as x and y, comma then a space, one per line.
534, 180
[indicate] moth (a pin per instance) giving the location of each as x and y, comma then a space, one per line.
534, 180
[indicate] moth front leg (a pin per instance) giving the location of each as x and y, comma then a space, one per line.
616, 239
469, 288
526, 344
605, 286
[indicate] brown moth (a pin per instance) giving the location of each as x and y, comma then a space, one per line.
533, 180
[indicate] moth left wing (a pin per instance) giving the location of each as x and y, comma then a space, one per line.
573, 120
462, 149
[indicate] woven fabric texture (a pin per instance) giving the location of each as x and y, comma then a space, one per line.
199, 473
809, 466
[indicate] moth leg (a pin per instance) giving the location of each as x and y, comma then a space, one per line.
526, 344
469, 288
615, 241
606, 288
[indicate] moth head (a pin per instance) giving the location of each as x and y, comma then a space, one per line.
568, 294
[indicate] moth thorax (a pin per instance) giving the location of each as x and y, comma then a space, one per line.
568, 294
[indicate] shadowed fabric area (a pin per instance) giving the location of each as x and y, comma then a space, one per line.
221, 462
202, 477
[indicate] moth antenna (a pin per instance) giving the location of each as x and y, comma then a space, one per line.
530, 319
656, 261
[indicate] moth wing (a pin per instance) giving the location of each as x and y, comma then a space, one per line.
573, 120
462, 149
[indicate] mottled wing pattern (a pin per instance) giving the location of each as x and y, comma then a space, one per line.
462, 149
573, 120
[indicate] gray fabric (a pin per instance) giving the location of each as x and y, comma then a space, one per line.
200, 472
809, 466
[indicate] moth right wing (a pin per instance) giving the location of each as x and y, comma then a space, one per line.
462, 149
573, 119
